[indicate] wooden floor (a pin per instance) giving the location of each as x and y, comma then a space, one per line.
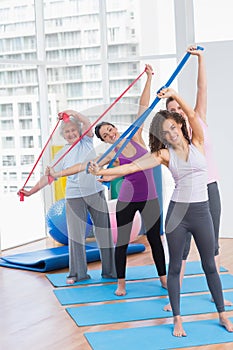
32, 318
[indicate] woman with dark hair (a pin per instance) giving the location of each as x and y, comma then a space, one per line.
137, 193
213, 190
171, 146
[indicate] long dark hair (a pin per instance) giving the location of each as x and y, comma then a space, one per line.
98, 126
156, 139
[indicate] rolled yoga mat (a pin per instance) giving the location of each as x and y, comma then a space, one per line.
55, 258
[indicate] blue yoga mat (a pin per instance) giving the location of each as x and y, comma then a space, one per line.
55, 258
91, 294
132, 273
142, 310
160, 337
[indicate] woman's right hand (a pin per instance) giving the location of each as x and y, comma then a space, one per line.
50, 171
149, 70
24, 192
166, 92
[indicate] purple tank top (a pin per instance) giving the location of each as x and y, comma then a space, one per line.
140, 186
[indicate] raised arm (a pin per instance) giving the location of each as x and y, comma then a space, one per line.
145, 96
81, 118
201, 96
197, 132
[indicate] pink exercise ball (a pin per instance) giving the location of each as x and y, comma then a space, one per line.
136, 227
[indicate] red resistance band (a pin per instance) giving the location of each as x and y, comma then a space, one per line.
98, 119
21, 195
65, 118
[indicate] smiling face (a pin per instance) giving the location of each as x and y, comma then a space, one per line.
171, 132
109, 133
70, 132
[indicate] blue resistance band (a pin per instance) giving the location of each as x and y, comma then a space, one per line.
133, 128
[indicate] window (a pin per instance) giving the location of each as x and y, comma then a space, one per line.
8, 161
27, 159
7, 124
8, 142
25, 109
6, 110
25, 124
26, 142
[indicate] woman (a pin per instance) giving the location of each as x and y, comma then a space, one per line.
83, 195
171, 146
137, 192
213, 191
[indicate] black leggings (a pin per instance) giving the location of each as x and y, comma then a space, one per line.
181, 219
215, 211
150, 213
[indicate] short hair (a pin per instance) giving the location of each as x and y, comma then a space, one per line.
74, 121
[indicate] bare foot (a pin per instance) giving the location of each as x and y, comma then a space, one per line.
163, 280
70, 280
167, 307
121, 291
178, 330
225, 322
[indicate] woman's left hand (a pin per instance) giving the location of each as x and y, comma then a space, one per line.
93, 168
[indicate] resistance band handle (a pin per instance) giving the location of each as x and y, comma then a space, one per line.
21, 197
105, 183
50, 179
65, 117
178, 69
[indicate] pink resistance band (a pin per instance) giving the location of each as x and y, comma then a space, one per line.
65, 118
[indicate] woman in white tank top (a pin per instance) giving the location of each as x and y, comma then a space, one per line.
171, 146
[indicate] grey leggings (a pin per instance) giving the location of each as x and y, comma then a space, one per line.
215, 211
181, 219
76, 215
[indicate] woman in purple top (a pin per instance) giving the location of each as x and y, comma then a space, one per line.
137, 193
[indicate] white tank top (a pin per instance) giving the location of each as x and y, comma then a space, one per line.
190, 176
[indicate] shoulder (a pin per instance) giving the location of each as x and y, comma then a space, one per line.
164, 156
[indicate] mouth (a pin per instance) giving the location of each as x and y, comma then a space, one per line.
174, 138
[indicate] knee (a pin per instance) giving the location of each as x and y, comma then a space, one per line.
209, 267
174, 269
